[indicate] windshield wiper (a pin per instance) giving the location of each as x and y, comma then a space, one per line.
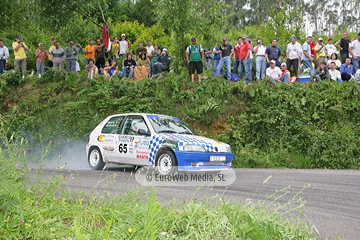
186, 132
166, 131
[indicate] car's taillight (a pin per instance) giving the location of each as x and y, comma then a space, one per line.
88, 140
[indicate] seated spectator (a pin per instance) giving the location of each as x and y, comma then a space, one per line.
110, 71
357, 76
275, 74
322, 73
334, 59
283, 68
142, 69
155, 53
347, 70
139, 50
128, 65
162, 64
334, 73
91, 69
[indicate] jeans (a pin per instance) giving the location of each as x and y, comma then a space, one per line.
157, 68
216, 63
356, 63
40, 67
236, 66
250, 63
284, 78
129, 71
260, 68
208, 62
308, 64
71, 65
222, 62
245, 69
2, 66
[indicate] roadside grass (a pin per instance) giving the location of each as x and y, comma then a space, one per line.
45, 210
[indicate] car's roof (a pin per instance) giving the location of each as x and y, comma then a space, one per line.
142, 114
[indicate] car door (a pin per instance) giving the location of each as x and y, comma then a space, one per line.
108, 140
133, 147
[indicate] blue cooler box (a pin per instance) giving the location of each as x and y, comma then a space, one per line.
304, 78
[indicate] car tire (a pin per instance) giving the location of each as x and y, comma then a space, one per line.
95, 159
166, 163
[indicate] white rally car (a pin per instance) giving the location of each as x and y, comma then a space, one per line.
154, 140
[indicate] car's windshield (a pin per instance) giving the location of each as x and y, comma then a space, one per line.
169, 125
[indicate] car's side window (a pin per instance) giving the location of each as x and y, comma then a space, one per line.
112, 125
133, 124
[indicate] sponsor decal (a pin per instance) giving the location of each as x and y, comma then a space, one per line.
141, 152
101, 138
129, 138
108, 149
142, 156
131, 150
110, 138
145, 143
171, 143
137, 143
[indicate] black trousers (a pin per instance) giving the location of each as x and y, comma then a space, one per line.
293, 62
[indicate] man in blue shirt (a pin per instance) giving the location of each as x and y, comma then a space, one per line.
347, 70
217, 56
273, 52
306, 56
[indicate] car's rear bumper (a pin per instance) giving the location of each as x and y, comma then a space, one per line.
200, 161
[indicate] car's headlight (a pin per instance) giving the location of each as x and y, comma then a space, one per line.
193, 148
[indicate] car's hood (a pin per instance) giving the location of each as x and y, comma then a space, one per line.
178, 141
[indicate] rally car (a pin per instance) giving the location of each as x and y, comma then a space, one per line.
163, 142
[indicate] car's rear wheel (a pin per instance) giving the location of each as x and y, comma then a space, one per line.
166, 163
95, 159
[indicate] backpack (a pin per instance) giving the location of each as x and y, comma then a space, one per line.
234, 77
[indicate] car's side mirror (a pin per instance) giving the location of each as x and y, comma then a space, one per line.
143, 132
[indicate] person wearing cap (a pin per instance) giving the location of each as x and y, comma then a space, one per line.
343, 45
320, 52
322, 73
330, 48
306, 57
124, 45
90, 51
226, 53
162, 64
259, 50
273, 52
71, 53
195, 57
20, 56
293, 54
275, 74
245, 50
58, 56
4, 55
50, 63
40, 55
355, 52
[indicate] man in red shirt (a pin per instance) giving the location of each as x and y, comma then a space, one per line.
245, 49
312, 46
237, 56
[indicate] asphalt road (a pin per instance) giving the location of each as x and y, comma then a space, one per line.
332, 196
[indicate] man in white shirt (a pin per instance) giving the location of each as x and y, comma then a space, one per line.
293, 54
330, 48
259, 50
274, 73
355, 53
334, 73
4, 55
124, 45
149, 48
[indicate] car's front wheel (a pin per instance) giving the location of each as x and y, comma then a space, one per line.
95, 159
166, 163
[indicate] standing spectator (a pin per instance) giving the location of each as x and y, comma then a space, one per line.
91, 69
237, 56
124, 45
50, 63
115, 47
149, 49
322, 73
4, 55
343, 45
347, 70
40, 55
155, 53
306, 56
275, 74
71, 55
195, 58
245, 50
226, 52
312, 46
273, 52
251, 59
320, 52
58, 56
90, 51
259, 50
100, 54
208, 58
20, 55
330, 48
355, 53
293, 54
162, 64
217, 57
128, 65
79, 48
334, 73
334, 59
142, 69
139, 50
